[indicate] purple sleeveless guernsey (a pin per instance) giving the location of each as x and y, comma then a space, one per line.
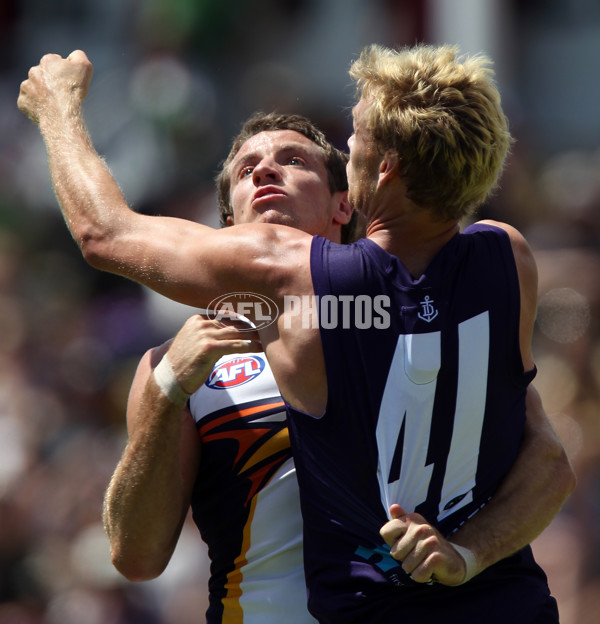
426, 408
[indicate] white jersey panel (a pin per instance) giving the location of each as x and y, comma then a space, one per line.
266, 583
275, 557
473, 362
408, 405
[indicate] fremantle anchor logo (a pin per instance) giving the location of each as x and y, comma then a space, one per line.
429, 312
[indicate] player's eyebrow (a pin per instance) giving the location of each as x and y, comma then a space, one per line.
282, 150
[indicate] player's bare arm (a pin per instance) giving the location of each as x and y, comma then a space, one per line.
529, 497
148, 497
143, 523
178, 258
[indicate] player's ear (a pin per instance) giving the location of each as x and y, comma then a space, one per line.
342, 210
389, 167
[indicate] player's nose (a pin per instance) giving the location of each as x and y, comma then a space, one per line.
266, 172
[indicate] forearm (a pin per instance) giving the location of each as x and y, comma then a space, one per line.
528, 499
175, 257
147, 500
113, 237
52, 97
90, 200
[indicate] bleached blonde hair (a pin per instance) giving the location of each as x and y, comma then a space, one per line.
443, 116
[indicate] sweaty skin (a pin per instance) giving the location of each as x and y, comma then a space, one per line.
193, 264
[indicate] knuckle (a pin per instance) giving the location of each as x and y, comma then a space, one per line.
431, 540
198, 321
423, 531
211, 344
435, 559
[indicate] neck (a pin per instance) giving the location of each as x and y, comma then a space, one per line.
414, 238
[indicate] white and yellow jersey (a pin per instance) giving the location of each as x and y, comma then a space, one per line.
245, 500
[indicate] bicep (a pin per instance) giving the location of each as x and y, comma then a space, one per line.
543, 450
177, 258
539, 432
538, 428
194, 264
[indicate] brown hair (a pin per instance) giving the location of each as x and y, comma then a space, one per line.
335, 160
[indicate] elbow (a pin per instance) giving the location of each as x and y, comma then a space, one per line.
136, 571
137, 567
96, 249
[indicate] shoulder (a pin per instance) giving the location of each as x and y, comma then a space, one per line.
325, 248
528, 285
340, 262
148, 362
517, 240
522, 252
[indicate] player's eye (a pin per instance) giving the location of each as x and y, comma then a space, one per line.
246, 171
295, 160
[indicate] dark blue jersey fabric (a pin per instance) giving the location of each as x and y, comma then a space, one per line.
426, 408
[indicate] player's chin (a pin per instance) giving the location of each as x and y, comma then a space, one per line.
276, 217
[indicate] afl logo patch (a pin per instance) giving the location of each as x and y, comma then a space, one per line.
235, 372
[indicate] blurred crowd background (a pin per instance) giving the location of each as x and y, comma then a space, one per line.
174, 79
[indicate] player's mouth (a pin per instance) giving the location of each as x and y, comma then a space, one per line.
265, 193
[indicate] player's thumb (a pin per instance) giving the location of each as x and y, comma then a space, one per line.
396, 511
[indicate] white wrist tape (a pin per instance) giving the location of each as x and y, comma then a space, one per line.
470, 561
165, 378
